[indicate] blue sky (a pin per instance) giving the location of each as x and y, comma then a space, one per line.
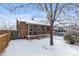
27, 12
29, 9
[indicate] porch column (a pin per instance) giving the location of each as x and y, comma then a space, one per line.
28, 31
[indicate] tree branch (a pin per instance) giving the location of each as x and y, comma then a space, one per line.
55, 11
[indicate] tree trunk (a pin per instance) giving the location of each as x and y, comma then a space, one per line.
51, 33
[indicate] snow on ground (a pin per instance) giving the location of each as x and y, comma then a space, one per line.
41, 48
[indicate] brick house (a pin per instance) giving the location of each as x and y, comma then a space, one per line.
32, 30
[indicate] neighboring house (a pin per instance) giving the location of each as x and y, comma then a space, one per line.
72, 28
32, 29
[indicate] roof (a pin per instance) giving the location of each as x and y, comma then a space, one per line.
45, 23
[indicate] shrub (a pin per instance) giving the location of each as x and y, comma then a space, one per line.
72, 37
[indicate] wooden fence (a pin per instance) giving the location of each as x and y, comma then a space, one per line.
4, 40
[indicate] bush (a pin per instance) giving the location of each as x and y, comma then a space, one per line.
72, 37
14, 35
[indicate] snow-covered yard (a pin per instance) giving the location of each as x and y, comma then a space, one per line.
41, 48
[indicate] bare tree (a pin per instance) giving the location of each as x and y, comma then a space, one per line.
52, 12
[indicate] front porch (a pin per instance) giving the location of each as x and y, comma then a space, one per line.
32, 31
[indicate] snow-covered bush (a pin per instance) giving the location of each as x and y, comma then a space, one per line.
72, 37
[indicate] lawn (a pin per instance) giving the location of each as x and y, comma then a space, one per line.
21, 47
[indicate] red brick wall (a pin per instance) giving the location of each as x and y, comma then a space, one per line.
23, 29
